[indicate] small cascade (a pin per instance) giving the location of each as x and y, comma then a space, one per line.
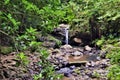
66, 35
64, 30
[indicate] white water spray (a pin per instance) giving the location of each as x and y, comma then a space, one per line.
66, 35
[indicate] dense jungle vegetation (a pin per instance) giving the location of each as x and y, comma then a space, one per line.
21, 21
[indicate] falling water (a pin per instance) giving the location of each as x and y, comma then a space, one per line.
66, 35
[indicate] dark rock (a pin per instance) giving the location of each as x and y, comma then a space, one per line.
67, 74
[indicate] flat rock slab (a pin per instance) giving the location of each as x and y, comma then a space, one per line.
78, 62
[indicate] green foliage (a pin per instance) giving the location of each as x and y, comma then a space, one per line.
28, 40
47, 72
23, 59
105, 42
112, 46
114, 55
96, 74
114, 72
9, 25
99, 42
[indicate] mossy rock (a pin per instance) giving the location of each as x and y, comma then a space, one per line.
5, 49
51, 38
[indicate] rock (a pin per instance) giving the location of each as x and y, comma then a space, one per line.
60, 30
66, 47
77, 40
64, 26
103, 54
49, 41
72, 67
88, 64
77, 53
48, 44
98, 58
88, 48
92, 63
80, 49
76, 57
65, 70
56, 51
78, 62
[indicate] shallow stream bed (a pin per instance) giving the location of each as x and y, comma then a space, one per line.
79, 63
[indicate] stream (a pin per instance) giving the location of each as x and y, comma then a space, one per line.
79, 63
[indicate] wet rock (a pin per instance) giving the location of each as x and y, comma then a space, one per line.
66, 71
72, 67
88, 48
98, 58
93, 57
77, 53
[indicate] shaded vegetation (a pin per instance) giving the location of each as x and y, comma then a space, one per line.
22, 20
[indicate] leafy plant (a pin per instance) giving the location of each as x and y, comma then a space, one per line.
23, 59
28, 40
47, 71
114, 55
96, 74
114, 72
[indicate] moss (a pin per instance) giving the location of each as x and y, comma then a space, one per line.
5, 49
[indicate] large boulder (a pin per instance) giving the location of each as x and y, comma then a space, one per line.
66, 47
49, 41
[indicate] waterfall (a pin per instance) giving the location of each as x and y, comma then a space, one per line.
64, 29
66, 35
